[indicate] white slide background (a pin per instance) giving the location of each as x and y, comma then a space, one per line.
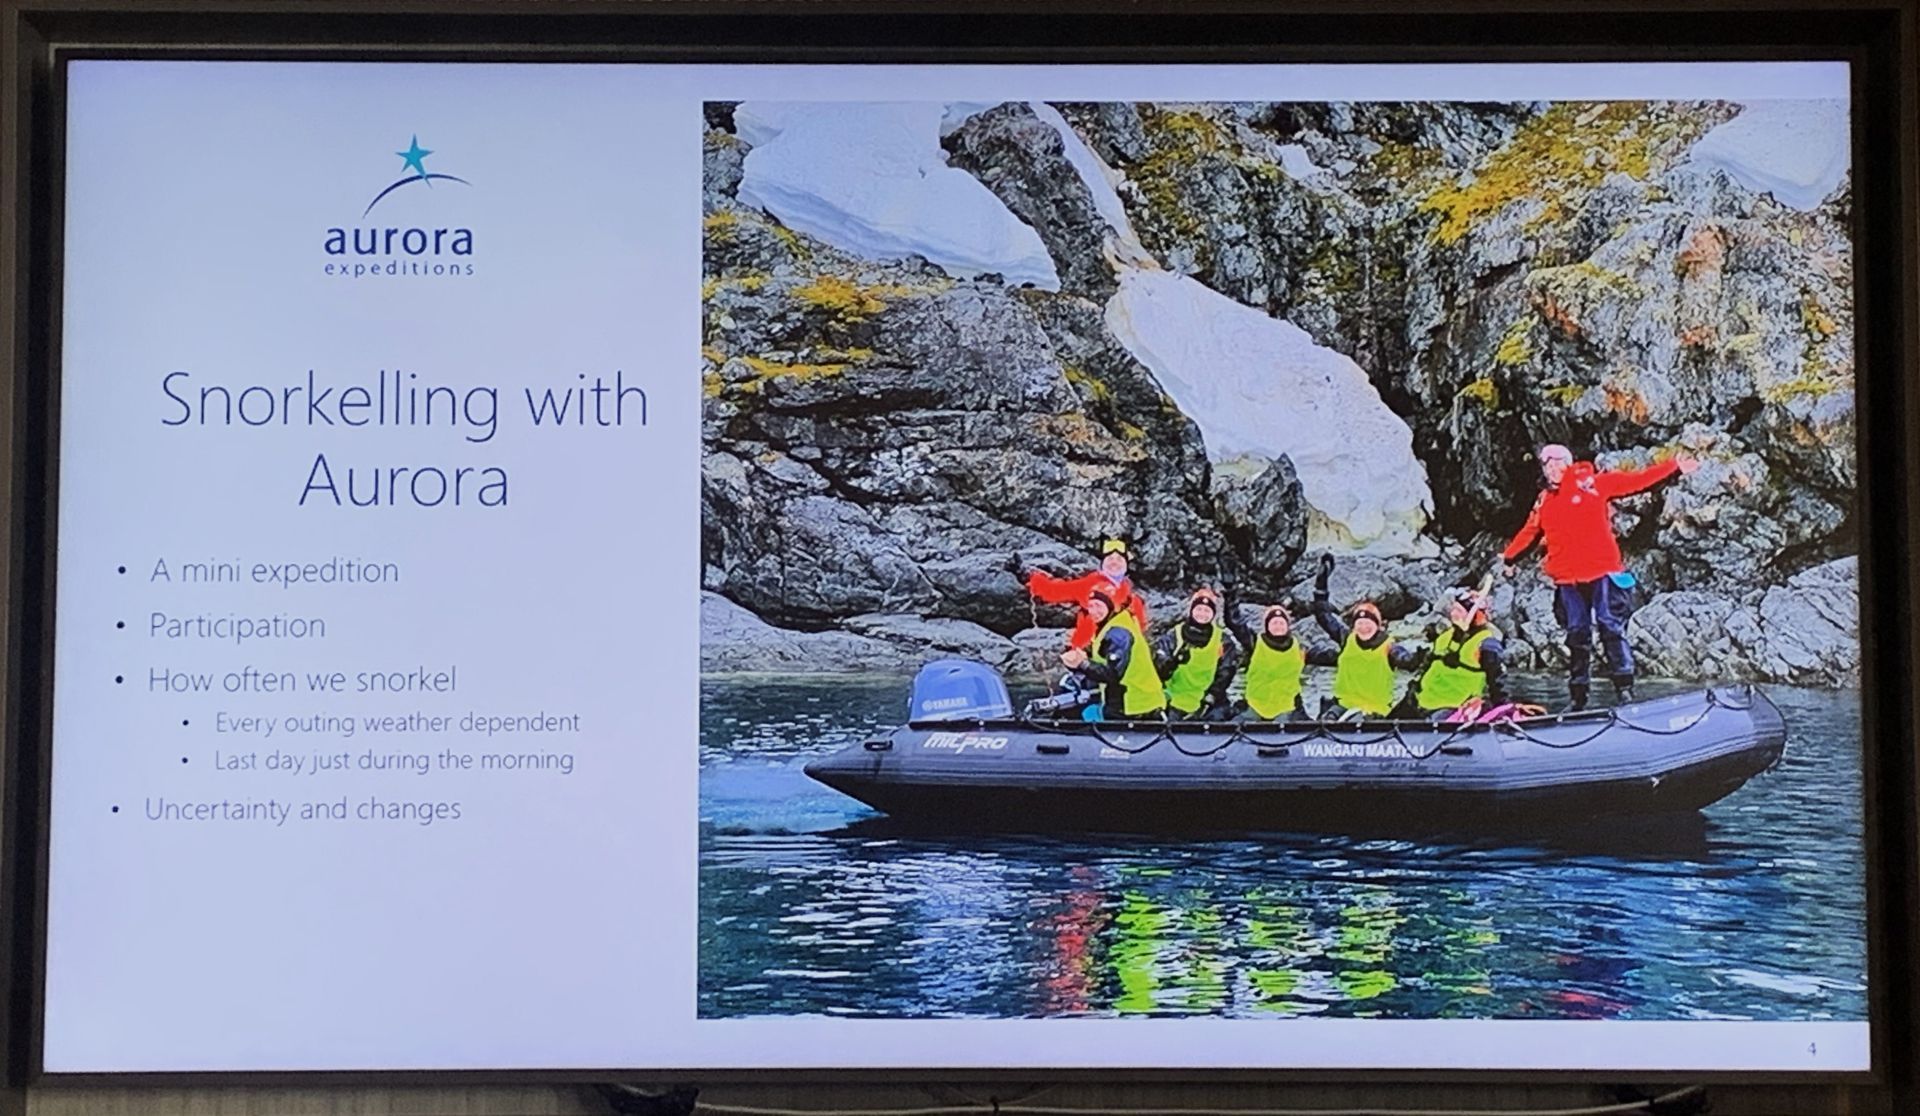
554, 924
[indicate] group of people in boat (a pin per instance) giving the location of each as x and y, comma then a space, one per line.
1186, 671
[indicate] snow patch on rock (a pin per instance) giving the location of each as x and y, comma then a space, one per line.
1102, 183
1297, 163
872, 179
1795, 150
1256, 384
959, 112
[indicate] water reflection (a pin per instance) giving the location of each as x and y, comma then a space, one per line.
813, 905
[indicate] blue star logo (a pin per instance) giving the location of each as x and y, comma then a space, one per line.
413, 154
414, 169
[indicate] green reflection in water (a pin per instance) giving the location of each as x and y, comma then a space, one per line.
1280, 935
1203, 976
1136, 929
1364, 984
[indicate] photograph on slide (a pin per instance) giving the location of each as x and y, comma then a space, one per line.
1277, 559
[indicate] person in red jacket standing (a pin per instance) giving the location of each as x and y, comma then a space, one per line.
1592, 588
1111, 579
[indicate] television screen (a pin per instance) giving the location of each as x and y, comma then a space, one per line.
723, 567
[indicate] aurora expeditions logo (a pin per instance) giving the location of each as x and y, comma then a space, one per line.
370, 248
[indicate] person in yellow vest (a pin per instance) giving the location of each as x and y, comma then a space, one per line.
1197, 659
1466, 661
1364, 658
1275, 663
1119, 662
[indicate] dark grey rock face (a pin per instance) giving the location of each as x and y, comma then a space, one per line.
1805, 631
884, 440
1023, 161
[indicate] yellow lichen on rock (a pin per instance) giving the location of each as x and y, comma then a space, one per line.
1555, 158
846, 301
718, 283
840, 298
1189, 126
1406, 162
1181, 139
1097, 391
1515, 347
723, 225
765, 371
1814, 317
1482, 391
1811, 384
729, 379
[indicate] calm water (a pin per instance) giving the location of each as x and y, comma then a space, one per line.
1753, 910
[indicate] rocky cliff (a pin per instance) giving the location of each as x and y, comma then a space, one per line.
945, 344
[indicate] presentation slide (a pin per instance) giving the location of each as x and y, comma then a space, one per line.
724, 567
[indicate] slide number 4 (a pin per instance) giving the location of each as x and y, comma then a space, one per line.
1813, 1048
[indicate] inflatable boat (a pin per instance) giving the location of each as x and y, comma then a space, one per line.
965, 759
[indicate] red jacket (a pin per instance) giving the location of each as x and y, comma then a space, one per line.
1576, 520
1076, 591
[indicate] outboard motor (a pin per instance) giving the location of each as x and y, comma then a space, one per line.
958, 690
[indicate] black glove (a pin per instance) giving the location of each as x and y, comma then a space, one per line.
1326, 570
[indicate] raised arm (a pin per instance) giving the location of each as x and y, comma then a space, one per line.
1626, 482
1048, 589
1323, 611
1230, 658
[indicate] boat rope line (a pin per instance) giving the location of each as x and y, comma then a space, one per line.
1106, 743
1613, 718
1606, 724
1607, 719
1713, 699
1330, 734
1444, 743
1240, 735
1754, 697
1186, 751
1089, 728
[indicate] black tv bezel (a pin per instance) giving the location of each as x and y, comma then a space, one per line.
38, 38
